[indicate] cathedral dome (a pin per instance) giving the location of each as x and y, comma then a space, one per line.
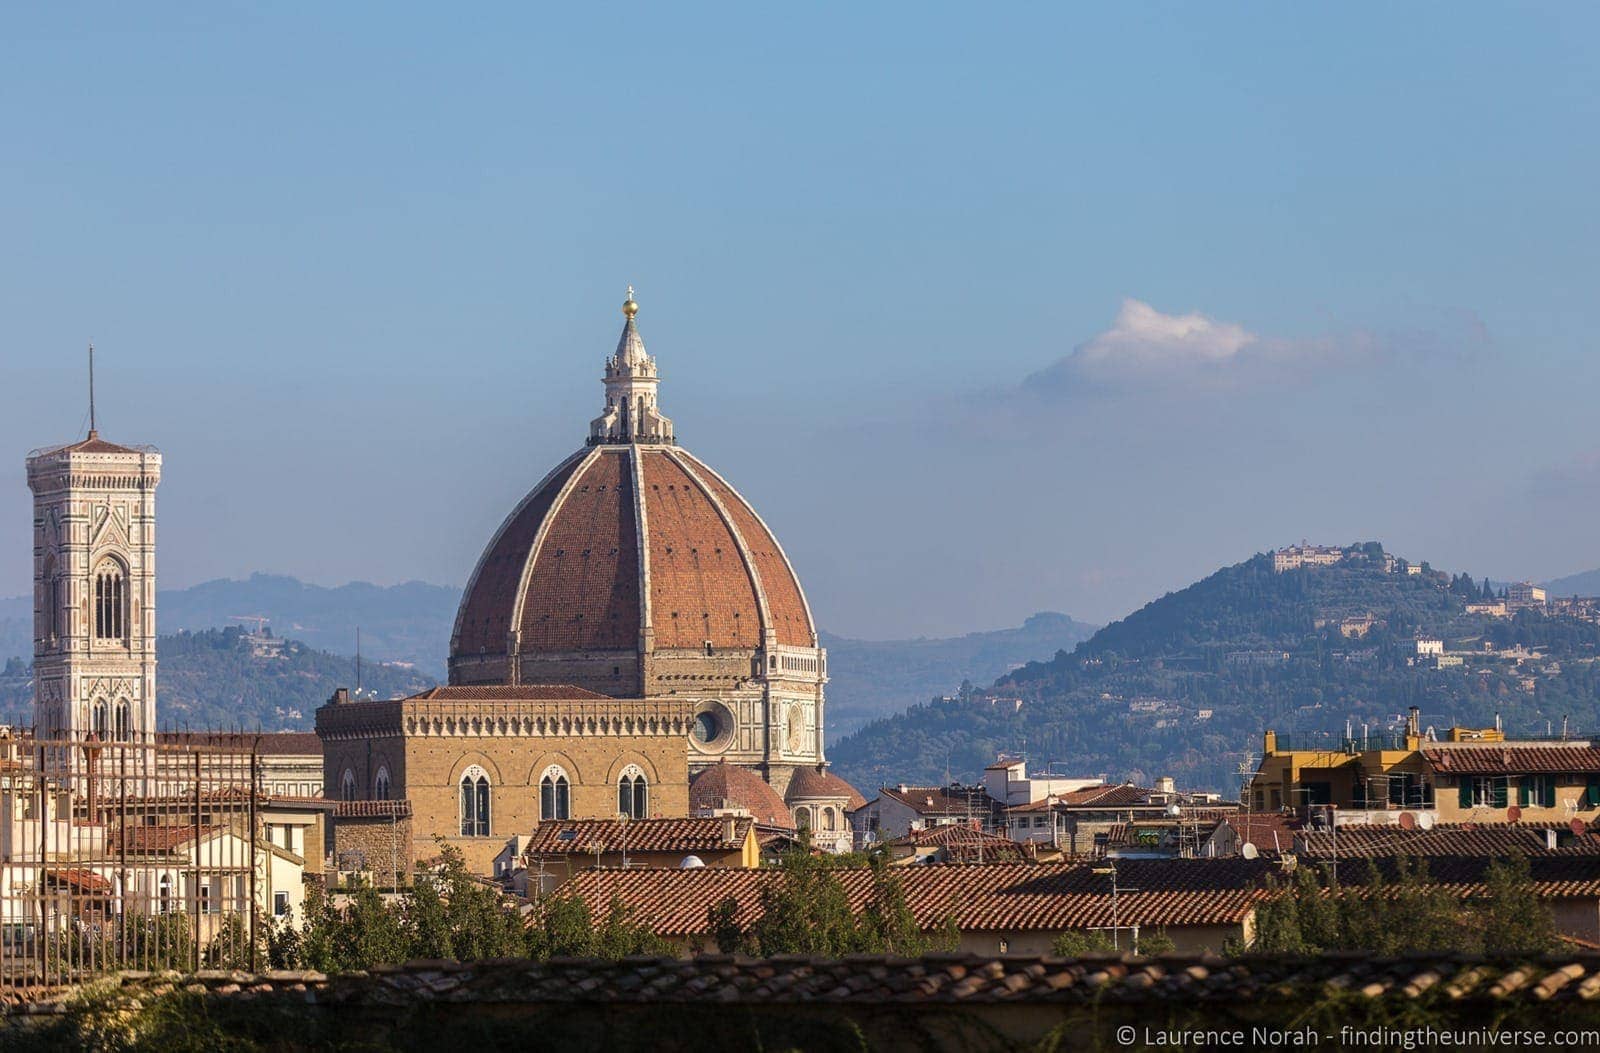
725, 785
568, 572
817, 784
635, 570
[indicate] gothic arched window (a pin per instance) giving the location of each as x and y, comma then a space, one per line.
98, 722
380, 784
555, 794
164, 894
474, 802
633, 793
123, 725
110, 601
53, 628
347, 785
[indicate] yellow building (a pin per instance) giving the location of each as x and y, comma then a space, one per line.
1468, 775
1375, 772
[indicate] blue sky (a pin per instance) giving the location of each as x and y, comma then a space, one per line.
987, 312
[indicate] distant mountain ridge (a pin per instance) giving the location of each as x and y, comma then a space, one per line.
230, 679
1185, 685
1585, 583
869, 679
412, 622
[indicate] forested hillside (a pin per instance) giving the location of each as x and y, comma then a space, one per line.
869, 679
227, 678
1185, 685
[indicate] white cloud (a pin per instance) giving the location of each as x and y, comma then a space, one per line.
1145, 348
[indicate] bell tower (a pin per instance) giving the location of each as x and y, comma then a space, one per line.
94, 588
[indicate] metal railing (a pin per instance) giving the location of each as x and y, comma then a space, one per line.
131, 855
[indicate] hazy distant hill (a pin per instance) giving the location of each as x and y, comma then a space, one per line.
869, 679
1584, 584
222, 678
399, 623
408, 623
1185, 685
412, 623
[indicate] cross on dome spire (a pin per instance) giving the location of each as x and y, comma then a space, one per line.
631, 381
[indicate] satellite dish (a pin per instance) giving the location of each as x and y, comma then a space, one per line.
691, 863
1578, 827
1249, 851
1513, 814
1426, 820
1174, 811
1408, 821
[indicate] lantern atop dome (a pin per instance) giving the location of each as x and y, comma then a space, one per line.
631, 414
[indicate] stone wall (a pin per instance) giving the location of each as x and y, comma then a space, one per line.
380, 844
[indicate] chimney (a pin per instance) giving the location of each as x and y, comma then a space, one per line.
1166, 784
730, 828
1414, 721
340, 695
1550, 839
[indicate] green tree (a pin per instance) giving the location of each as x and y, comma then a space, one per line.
451, 914
806, 909
1074, 943
722, 921
1511, 918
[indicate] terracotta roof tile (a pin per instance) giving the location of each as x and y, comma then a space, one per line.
1513, 760
785, 602
372, 809
484, 618
987, 898
160, 840
819, 782
685, 836
1165, 985
1553, 876
963, 843
1452, 839
943, 800
583, 592
724, 785
700, 589
582, 589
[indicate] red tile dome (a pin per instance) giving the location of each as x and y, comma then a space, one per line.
817, 783
725, 785
630, 550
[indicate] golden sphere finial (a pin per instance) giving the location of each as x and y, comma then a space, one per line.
630, 308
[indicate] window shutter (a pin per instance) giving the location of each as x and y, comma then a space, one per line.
1549, 800
1466, 791
1501, 791
1525, 792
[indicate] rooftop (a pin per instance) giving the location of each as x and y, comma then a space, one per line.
951, 979
980, 898
674, 836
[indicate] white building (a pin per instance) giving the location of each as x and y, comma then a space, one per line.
1525, 594
1007, 781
